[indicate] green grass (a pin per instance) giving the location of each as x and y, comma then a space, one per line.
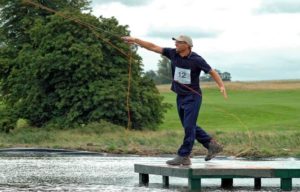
251, 123
255, 110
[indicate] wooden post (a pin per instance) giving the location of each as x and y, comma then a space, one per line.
257, 183
286, 184
165, 181
194, 184
227, 183
143, 179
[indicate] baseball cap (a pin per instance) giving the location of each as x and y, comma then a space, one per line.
184, 38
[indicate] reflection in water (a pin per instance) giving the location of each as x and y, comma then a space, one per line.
107, 173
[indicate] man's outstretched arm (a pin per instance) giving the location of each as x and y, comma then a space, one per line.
147, 45
219, 81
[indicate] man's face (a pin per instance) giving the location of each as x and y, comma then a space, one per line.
181, 46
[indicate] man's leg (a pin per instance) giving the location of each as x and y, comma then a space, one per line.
179, 102
208, 142
191, 105
202, 137
180, 159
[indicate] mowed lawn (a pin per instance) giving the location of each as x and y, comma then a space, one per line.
248, 107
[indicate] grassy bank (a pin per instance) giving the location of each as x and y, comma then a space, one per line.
118, 140
252, 122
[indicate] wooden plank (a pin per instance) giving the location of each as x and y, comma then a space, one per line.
175, 171
226, 172
232, 173
218, 171
287, 173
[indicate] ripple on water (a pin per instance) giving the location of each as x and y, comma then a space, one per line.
105, 173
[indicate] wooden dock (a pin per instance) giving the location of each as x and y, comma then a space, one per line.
225, 170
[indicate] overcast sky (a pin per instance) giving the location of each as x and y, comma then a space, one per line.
251, 39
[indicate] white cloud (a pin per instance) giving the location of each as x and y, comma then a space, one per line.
279, 6
257, 64
125, 2
226, 33
195, 32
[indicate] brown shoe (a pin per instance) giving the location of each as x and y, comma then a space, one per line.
178, 160
213, 149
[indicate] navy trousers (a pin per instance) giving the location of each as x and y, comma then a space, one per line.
188, 107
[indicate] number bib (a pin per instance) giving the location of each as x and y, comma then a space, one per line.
182, 75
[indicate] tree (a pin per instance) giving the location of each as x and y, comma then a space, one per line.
164, 71
17, 16
54, 71
226, 76
206, 77
151, 74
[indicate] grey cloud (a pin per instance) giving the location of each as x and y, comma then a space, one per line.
124, 2
196, 33
250, 75
279, 6
258, 65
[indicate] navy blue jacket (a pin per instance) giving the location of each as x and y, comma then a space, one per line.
186, 70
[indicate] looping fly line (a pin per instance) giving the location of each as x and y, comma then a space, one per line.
93, 30
133, 48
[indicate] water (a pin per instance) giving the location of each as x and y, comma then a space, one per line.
58, 172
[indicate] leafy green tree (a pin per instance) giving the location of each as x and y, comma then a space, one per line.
226, 76
151, 74
164, 72
17, 16
57, 72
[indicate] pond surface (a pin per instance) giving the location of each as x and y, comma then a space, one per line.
68, 171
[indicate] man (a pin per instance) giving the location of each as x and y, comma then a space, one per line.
186, 67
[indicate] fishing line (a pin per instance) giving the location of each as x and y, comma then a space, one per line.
93, 29
133, 47
250, 145
39, 5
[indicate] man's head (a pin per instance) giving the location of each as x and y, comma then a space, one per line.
184, 38
183, 43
